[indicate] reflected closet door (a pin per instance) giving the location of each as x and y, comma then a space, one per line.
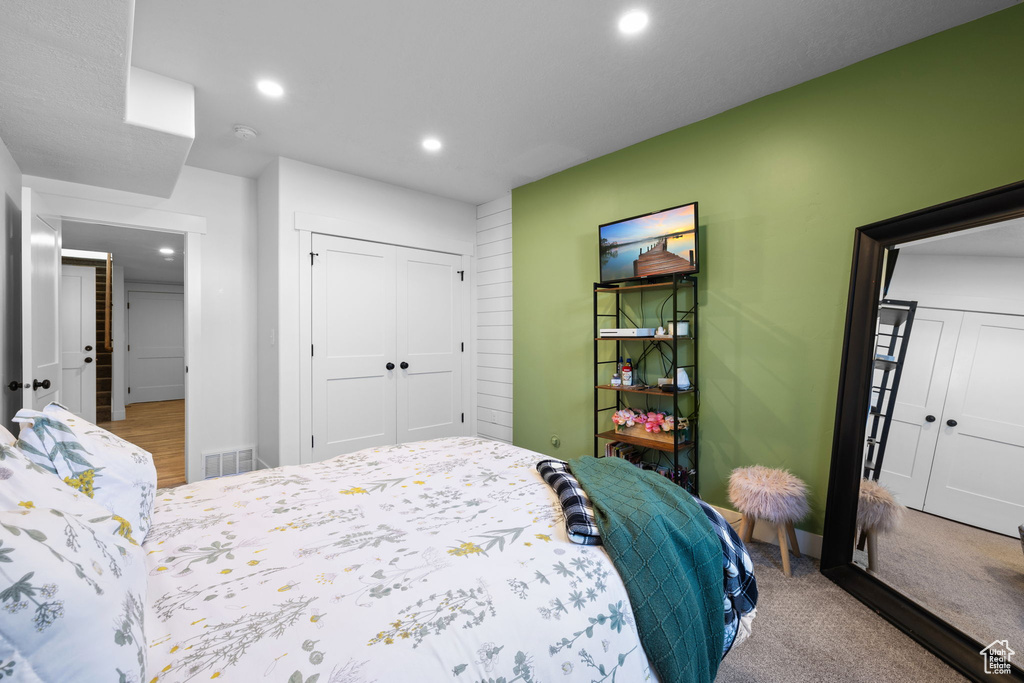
979, 461
353, 301
430, 344
922, 394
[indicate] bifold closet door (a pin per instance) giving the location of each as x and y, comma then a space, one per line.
978, 474
430, 345
907, 465
353, 301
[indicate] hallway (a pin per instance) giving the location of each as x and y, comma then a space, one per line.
158, 427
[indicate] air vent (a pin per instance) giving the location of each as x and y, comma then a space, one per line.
230, 462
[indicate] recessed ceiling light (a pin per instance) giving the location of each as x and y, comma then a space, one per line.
431, 144
633, 22
270, 88
166, 250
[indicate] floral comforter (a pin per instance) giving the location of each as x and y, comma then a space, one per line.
443, 560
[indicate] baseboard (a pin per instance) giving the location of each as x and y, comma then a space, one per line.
116, 415
810, 544
260, 465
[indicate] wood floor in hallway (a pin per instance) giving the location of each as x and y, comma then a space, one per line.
158, 427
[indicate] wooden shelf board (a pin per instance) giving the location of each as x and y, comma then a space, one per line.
612, 435
682, 283
661, 339
654, 392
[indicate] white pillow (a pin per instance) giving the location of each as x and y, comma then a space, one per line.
25, 485
71, 597
6, 438
116, 474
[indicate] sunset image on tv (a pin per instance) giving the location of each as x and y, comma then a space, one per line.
658, 244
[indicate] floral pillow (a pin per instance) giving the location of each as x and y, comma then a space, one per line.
24, 485
70, 599
116, 474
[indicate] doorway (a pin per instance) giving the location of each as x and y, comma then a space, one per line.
134, 339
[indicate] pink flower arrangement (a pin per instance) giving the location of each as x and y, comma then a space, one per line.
652, 421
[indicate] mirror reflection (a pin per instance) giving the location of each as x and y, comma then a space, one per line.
942, 497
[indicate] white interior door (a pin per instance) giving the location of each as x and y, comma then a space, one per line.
40, 302
353, 300
907, 463
978, 474
430, 345
156, 346
78, 340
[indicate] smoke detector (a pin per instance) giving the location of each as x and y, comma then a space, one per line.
245, 132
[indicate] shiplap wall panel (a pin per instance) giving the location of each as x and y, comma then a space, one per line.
494, 319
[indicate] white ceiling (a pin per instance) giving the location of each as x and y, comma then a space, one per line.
137, 250
515, 90
63, 87
999, 239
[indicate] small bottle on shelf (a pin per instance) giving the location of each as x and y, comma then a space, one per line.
627, 373
616, 380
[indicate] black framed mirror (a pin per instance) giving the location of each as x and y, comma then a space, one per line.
872, 266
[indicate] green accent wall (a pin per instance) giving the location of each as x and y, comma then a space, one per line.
782, 183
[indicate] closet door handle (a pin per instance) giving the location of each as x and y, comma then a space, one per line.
929, 418
45, 384
404, 365
15, 385
390, 366
88, 359
951, 423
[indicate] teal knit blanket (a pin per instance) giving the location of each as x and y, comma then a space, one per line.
670, 560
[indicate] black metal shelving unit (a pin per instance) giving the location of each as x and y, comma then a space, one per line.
682, 289
890, 355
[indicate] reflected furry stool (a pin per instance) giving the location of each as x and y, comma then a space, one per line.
769, 495
877, 513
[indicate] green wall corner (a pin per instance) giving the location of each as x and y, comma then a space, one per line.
782, 183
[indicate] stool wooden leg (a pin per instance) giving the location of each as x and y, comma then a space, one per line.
872, 551
748, 528
784, 548
792, 538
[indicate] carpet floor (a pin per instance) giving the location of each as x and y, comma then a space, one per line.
974, 578
809, 629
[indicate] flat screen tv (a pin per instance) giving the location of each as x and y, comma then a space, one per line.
652, 245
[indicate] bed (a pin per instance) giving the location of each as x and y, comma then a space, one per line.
444, 560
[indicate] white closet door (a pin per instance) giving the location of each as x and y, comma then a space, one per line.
353, 299
156, 346
430, 342
978, 474
78, 340
40, 301
911, 445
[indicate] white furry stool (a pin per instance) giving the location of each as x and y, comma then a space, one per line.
877, 513
773, 496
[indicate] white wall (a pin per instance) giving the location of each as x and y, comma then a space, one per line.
268, 203
314, 199
10, 312
494, 318
227, 417
988, 284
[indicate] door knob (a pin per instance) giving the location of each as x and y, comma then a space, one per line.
929, 418
15, 385
88, 359
951, 423
390, 366
88, 348
45, 384
404, 365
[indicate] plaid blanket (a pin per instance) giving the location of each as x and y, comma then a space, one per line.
737, 571
579, 515
739, 584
